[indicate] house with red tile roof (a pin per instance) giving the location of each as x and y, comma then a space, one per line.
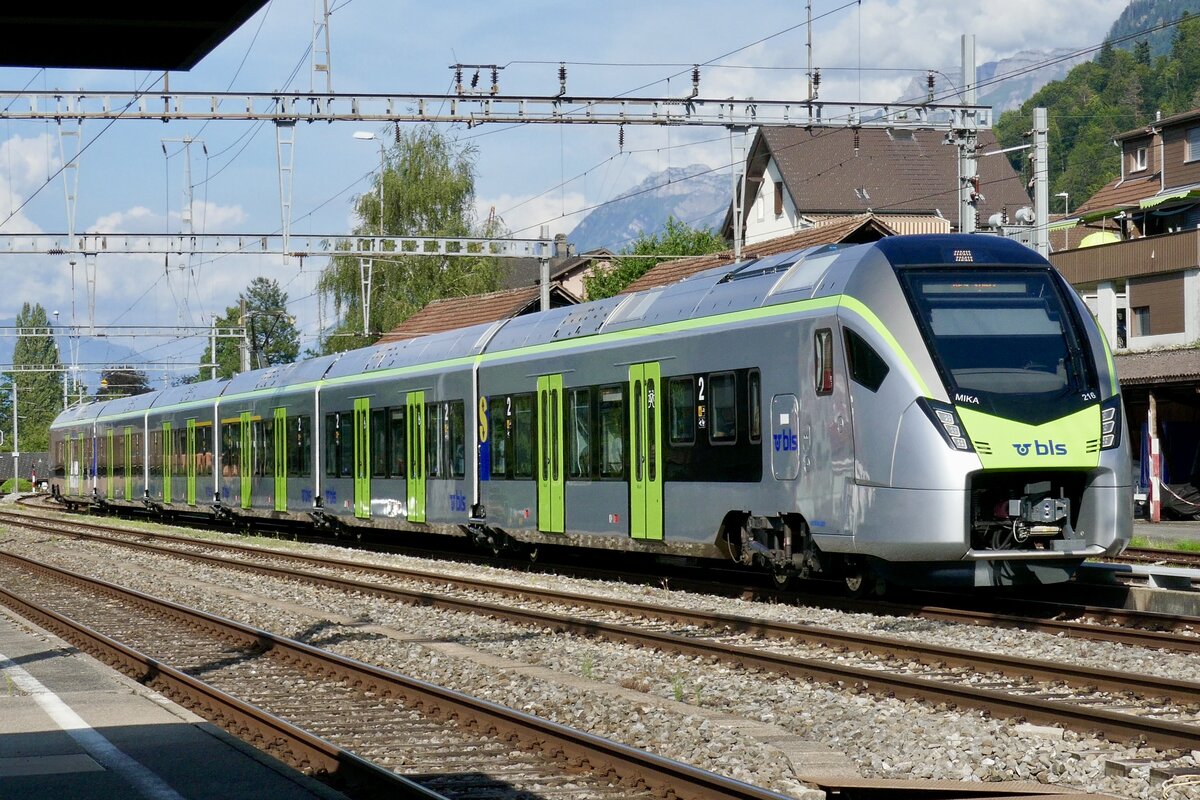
797, 177
1132, 250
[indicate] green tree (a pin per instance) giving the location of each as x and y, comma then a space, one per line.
428, 190
678, 239
1120, 91
122, 382
271, 333
39, 393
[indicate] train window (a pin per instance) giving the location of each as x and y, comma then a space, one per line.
181, 453
231, 449
823, 360
435, 449
722, 427
501, 433
332, 445
754, 400
523, 433
299, 434
346, 445
681, 404
612, 431
264, 446
579, 434
652, 429
866, 366
156, 451
398, 442
136, 452
118, 454
380, 457
456, 428
204, 445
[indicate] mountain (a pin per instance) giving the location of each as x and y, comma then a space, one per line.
1027, 71
91, 351
1140, 15
691, 194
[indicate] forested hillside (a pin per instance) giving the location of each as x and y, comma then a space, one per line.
1119, 91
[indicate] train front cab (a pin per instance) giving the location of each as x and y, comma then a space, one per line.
1022, 471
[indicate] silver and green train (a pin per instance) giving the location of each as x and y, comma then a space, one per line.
921, 409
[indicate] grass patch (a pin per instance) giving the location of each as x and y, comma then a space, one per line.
1150, 542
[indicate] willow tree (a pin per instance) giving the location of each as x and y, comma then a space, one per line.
428, 185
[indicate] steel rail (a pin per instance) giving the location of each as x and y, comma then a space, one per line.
1150, 555
1149, 629
290, 744
601, 755
1162, 733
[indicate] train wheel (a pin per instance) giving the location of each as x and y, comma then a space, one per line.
855, 581
783, 579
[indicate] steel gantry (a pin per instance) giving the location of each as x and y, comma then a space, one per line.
477, 109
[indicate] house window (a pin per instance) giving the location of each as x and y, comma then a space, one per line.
779, 200
1192, 145
1141, 321
1138, 160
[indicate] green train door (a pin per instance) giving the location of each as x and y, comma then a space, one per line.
280, 466
362, 457
72, 466
128, 437
168, 450
246, 456
191, 462
550, 453
112, 484
415, 421
645, 464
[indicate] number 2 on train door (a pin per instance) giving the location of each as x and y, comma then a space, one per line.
645, 453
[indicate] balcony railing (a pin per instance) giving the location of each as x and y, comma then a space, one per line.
1151, 255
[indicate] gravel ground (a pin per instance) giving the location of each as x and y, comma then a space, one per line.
884, 737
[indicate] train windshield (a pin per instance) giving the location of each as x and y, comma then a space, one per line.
1006, 338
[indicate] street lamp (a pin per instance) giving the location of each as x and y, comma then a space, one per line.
365, 265
1066, 196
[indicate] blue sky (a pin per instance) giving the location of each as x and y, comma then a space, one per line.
127, 184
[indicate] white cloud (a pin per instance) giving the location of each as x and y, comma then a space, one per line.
524, 214
27, 163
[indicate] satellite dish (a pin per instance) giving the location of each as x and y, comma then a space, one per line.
1025, 215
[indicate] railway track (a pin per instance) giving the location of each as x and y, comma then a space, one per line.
1151, 555
339, 718
1150, 629
1161, 712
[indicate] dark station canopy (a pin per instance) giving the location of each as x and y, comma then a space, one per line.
161, 35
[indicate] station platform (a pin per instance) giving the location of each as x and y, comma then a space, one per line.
73, 729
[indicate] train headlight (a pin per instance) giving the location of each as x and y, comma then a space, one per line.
1110, 423
946, 421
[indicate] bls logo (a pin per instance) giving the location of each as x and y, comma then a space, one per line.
1049, 448
785, 441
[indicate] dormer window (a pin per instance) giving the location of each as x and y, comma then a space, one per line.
1191, 151
1137, 160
